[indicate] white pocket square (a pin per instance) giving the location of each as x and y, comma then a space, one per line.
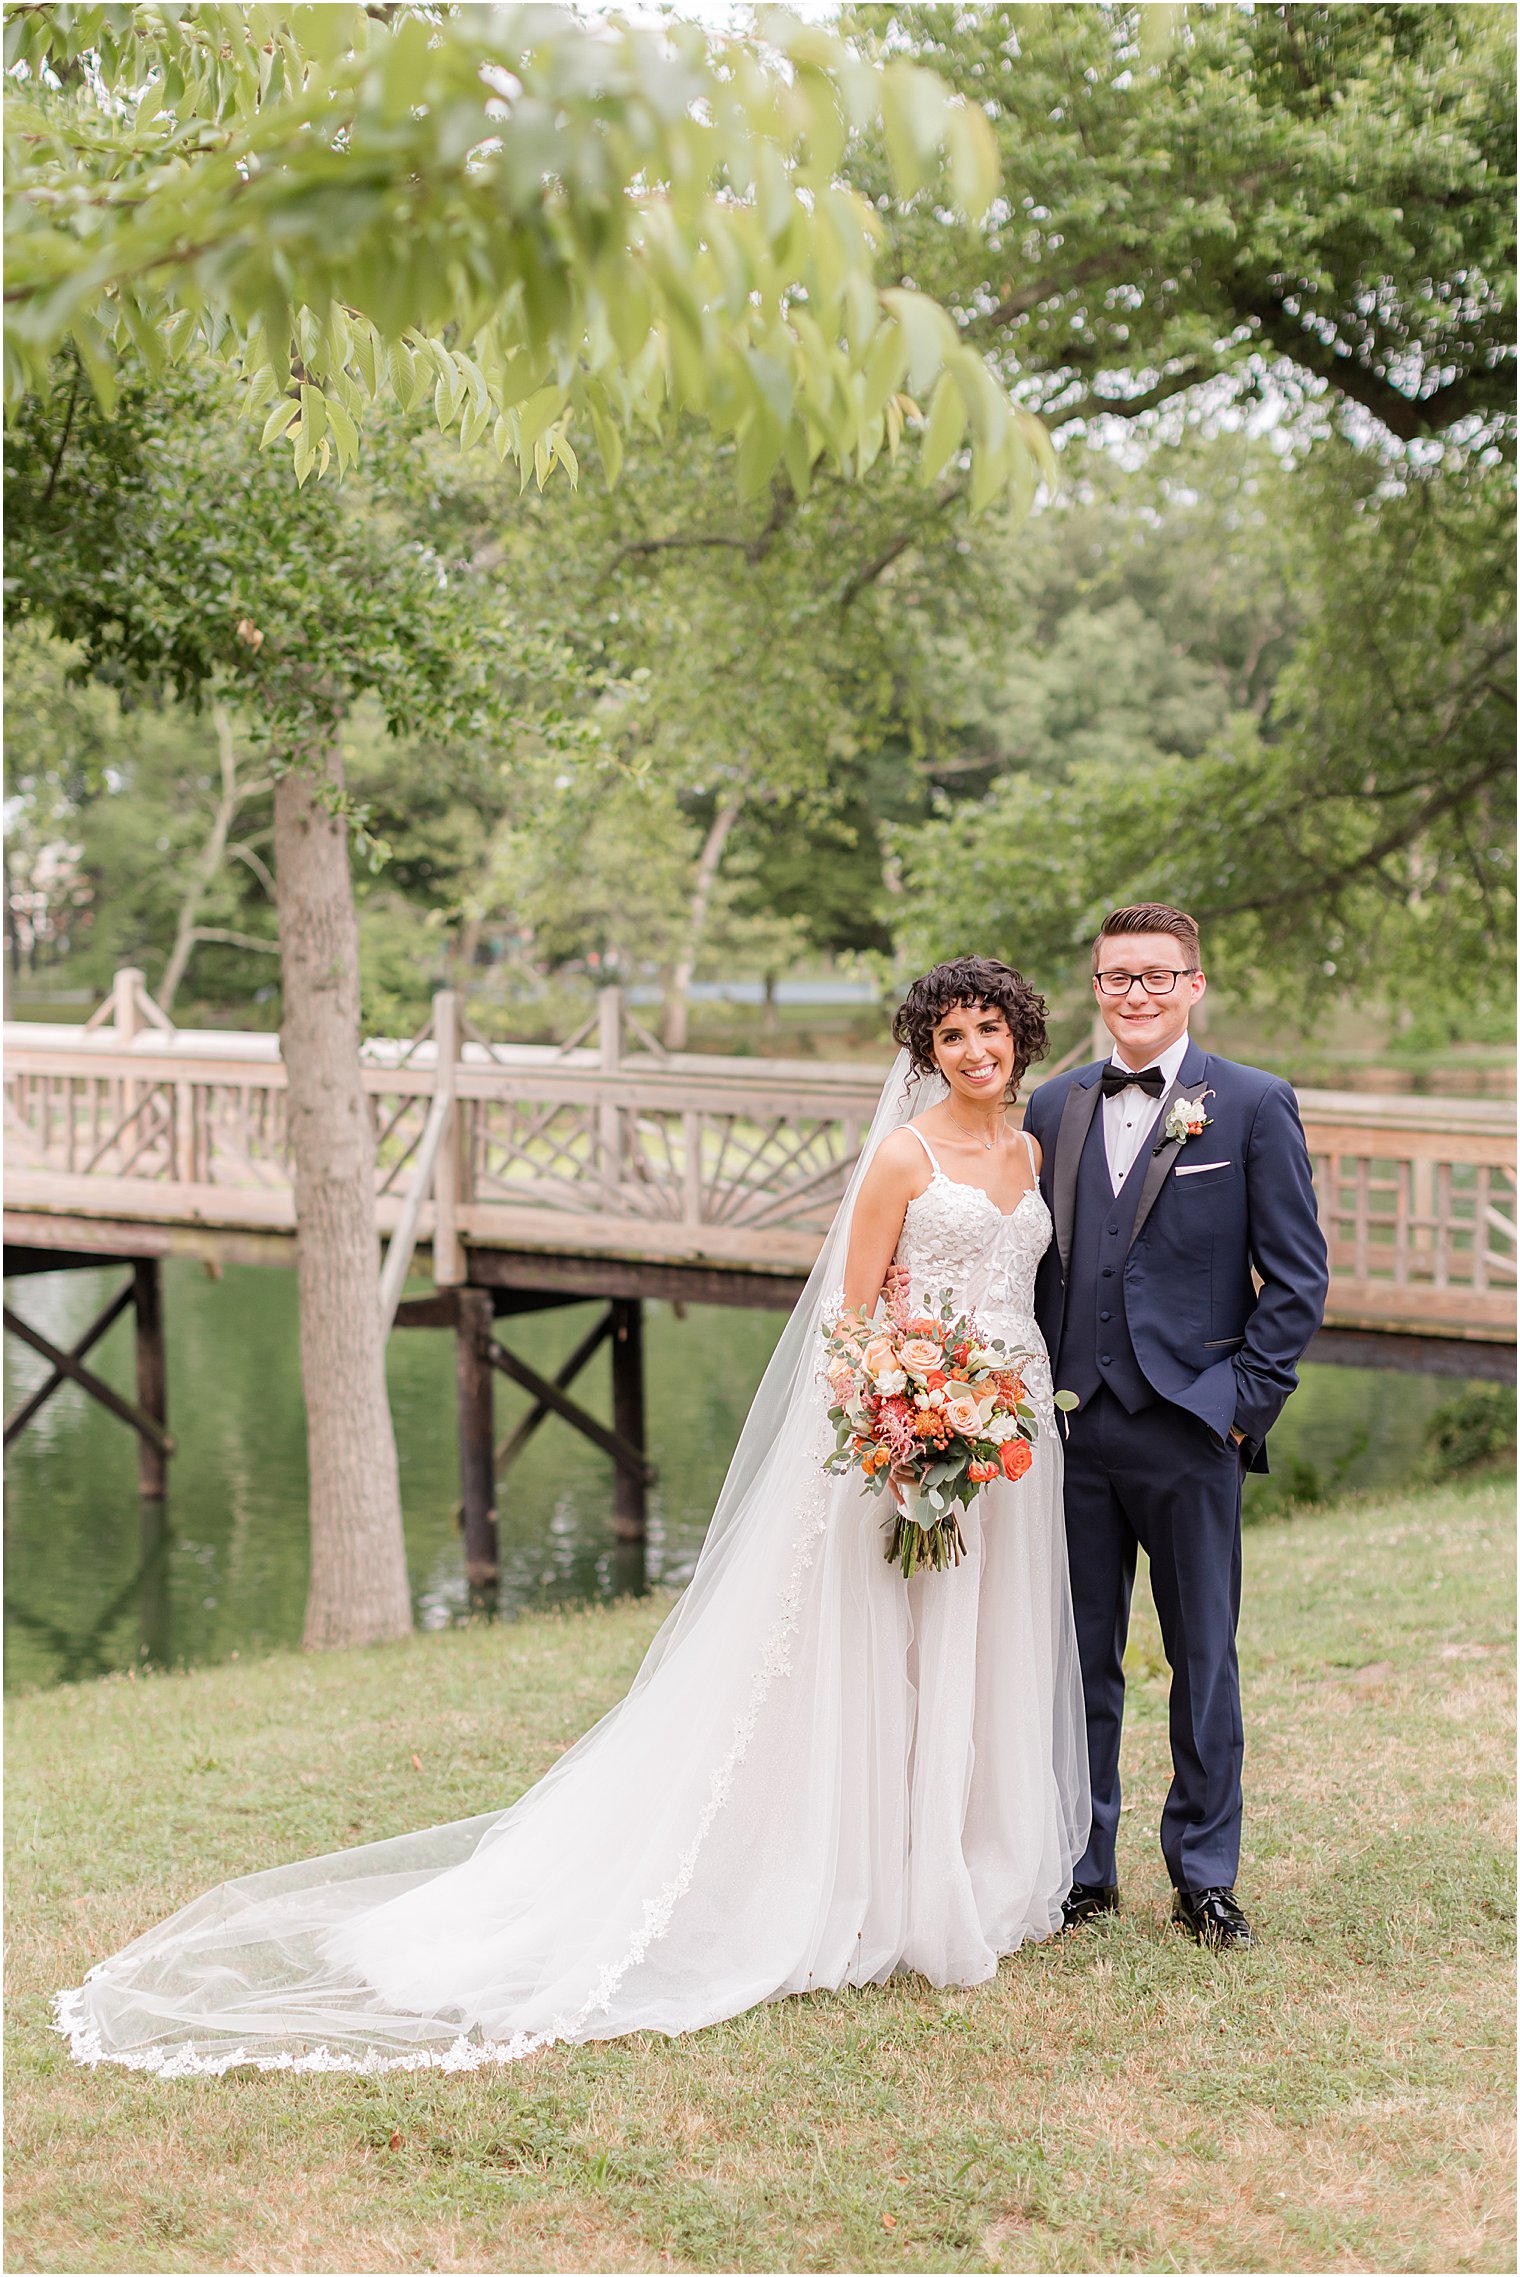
1191, 1169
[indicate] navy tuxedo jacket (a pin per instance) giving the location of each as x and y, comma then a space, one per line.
1238, 1197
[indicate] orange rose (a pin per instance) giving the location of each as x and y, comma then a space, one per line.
981, 1472
1016, 1457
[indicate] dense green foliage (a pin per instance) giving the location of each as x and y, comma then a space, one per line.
1257, 659
1354, 830
604, 221
1292, 198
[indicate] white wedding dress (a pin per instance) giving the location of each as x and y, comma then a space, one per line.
821, 1774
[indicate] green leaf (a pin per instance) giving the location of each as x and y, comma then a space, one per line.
367, 355
313, 414
947, 424
886, 366
279, 421
759, 450
971, 147
928, 331
609, 445
912, 113
344, 433
538, 414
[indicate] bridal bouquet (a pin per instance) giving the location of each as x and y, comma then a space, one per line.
927, 1403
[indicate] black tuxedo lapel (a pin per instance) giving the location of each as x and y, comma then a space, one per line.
1195, 1066
1076, 1120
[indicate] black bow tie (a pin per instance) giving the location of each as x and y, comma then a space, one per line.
1149, 1079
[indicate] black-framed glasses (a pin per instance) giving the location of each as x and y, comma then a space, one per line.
1161, 982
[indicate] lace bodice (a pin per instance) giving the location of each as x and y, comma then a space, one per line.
955, 1237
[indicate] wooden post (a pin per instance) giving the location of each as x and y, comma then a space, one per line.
152, 1375
628, 1494
126, 1019
448, 1256
477, 1461
126, 1010
609, 1036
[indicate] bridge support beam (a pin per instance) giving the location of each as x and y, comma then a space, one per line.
148, 1416
629, 1489
152, 1377
477, 1446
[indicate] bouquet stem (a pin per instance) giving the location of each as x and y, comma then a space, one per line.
924, 1549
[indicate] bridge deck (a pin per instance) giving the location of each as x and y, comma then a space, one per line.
600, 1172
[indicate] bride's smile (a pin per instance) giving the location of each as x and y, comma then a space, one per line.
974, 1051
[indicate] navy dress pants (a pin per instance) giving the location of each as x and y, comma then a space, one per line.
1160, 1480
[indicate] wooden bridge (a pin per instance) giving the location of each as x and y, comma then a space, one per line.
528, 1176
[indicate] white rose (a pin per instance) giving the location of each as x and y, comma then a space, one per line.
1000, 1428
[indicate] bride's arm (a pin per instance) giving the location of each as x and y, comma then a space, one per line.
897, 1174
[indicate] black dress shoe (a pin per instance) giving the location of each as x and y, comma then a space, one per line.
1084, 1901
1213, 1917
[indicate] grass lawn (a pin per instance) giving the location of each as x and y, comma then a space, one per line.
1338, 2099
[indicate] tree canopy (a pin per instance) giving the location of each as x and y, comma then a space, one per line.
605, 222
1278, 198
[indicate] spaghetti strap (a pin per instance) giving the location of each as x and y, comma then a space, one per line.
1029, 1150
924, 1143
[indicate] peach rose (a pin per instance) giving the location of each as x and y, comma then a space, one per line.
879, 1359
919, 1356
1016, 1457
963, 1415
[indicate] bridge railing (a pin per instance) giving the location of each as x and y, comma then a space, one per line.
677, 1158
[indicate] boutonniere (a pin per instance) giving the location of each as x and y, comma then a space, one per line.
1185, 1120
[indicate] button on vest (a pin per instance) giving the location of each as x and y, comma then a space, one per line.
1095, 1339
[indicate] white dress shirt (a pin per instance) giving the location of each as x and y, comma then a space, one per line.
1130, 1115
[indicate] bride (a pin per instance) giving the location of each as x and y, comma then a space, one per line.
822, 1773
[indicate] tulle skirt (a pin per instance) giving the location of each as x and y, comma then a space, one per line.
829, 1775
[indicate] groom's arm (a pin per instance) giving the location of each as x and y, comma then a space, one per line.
1288, 1253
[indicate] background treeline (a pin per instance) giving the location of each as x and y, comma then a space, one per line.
1256, 655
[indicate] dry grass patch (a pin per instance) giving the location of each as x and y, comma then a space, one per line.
1118, 2100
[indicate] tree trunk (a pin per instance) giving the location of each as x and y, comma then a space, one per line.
206, 864
676, 1008
358, 1559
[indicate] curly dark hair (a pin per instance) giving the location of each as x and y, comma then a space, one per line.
971, 982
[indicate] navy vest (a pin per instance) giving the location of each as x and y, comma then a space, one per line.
1095, 1339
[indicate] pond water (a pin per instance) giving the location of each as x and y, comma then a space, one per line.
96, 1581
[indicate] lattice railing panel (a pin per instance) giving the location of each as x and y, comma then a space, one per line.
111, 1126
399, 1120
1419, 1223
241, 1135
550, 1155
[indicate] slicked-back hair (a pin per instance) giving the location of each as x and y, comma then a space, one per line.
1152, 917
970, 984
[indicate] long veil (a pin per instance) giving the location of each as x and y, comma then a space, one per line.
735, 1790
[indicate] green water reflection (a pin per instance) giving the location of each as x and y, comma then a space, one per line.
96, 1581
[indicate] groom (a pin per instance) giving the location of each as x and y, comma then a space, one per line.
1187, 1274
